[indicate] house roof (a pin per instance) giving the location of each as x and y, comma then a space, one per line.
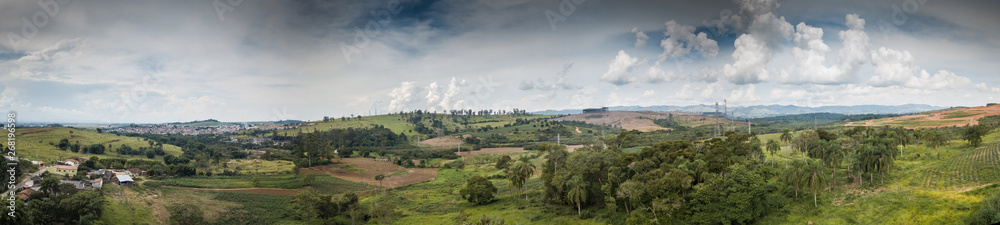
124, 178
64, 167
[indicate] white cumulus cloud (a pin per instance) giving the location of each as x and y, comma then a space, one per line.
620, 69
640, 37
681, 40
750, 61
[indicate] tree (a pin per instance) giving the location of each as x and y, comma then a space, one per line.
503, 162
84, 207
67, 188
186, 214
786, 136
936, 139
304, 205
50, 185
519, 173
308, 180
577, 193
814, 178
379, 178
974, 134
64, 144
793, 176
772, 147
478, 190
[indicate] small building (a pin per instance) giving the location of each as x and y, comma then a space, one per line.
64, 170
79, 185
136, 172
123, 180
108, 175
97, 183
595, 110
24, 194
72, 162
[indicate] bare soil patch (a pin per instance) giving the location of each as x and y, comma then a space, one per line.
570, 148
446, 141
491, 151
972, 118
365, 169
641, 120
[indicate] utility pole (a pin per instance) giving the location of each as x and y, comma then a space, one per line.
558, 140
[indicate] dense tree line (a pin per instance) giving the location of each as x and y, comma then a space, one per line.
310, 148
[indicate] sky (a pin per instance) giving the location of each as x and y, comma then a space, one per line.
250, 60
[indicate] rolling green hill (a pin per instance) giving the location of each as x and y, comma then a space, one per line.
41, 143
398, 123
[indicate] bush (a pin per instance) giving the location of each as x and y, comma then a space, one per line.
988, 213
186, 213
478, 190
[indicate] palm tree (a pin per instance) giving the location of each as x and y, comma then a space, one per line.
786, 136
793, 176
577, 192
834, 154
772, 147
520, 172
814, 177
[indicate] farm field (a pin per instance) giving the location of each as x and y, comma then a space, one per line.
437, 201
289, 182
364, 170
934, 119
641, 121
256, 166
491, 151
147, 205
39, 147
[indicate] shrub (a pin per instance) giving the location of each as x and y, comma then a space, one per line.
478, 190
988, 213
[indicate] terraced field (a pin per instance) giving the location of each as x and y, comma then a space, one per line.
981, 166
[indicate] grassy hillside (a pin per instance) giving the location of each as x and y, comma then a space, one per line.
920, 190
41, 143
398, 124
438, 202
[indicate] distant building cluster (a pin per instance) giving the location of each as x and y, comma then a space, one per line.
176, 129
194, 130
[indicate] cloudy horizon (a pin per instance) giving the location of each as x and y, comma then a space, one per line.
170, 61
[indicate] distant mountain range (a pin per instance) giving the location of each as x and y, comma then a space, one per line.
769, 110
